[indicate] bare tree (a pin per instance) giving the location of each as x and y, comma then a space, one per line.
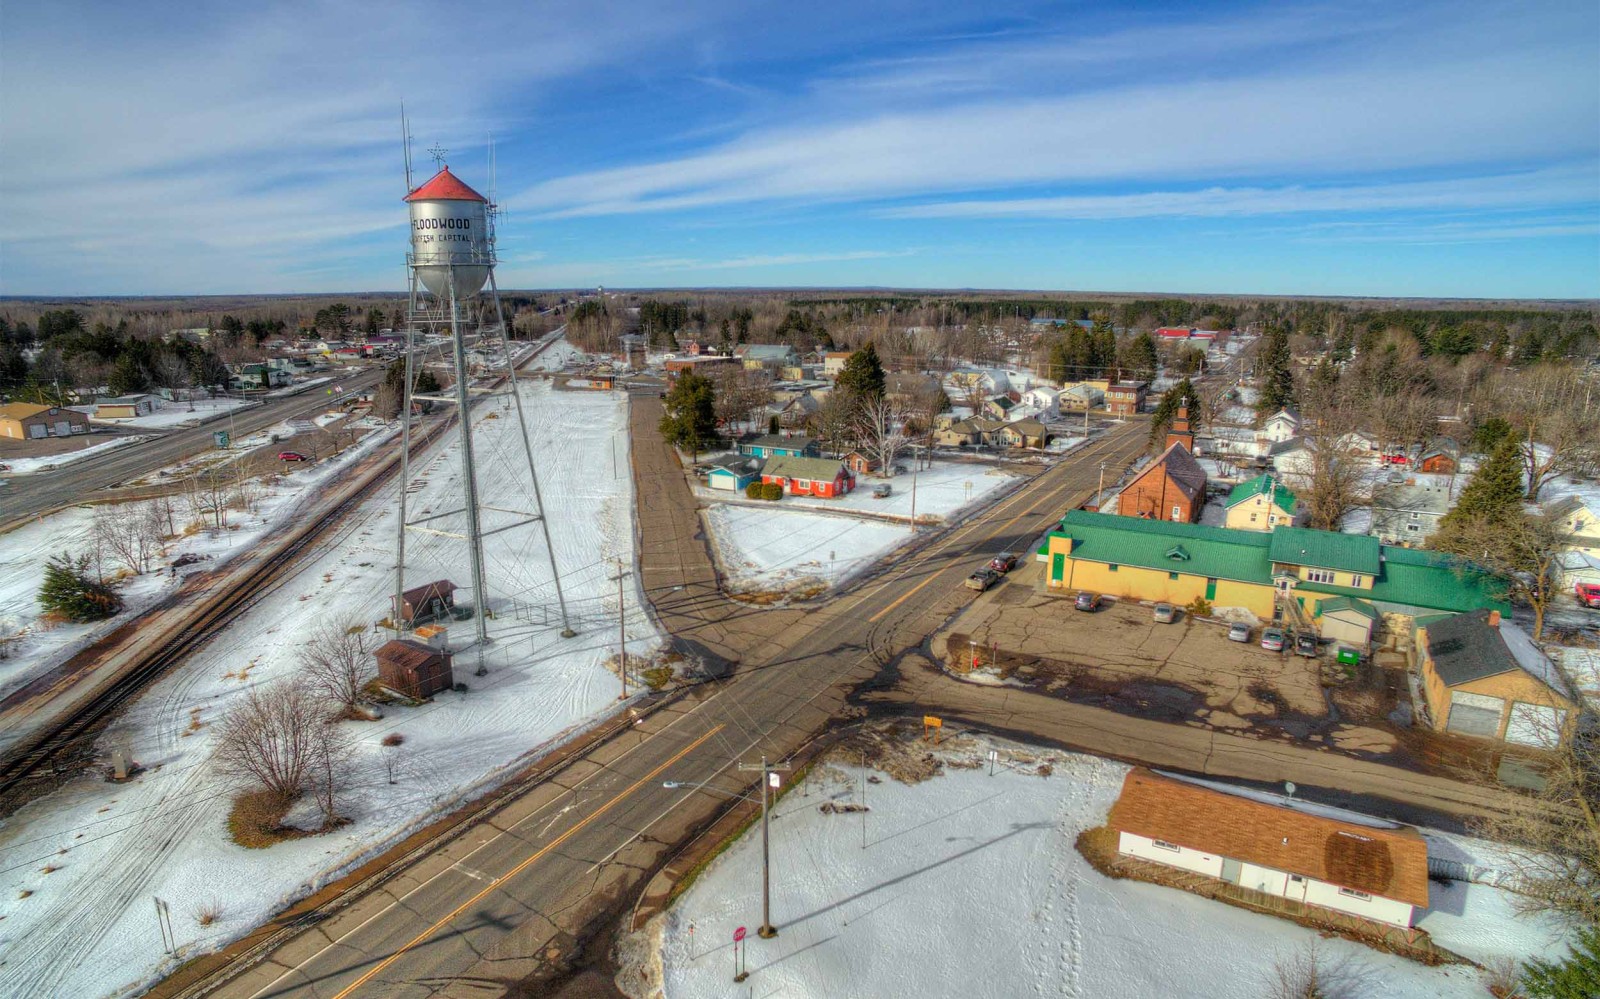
1551, 407
880, 431
386, 401
1523, 550
836, 420
130, 533
338, 659
279, 739
170, 371
1552, 835
1335, 481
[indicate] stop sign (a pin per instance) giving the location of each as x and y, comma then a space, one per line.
738, 934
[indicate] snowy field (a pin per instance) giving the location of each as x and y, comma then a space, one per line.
945, 489
174, 414
37, 647
23, 466
970, 885
86, 929
769, 548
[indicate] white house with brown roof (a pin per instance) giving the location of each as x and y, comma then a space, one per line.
1378, 871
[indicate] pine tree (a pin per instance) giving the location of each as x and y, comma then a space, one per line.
1577, 977
690, 422
862, 376
1495, 488
1179, 396
1141, 359
68, 590
1276, 372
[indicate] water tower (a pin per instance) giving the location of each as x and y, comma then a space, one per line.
452, 258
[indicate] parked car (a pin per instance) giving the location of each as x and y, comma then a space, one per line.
1165, 613
882, 491
1238, 632
1306, 645
1003, 562
1087, 601
982, 579
1272, 639
292, 456
1588, 594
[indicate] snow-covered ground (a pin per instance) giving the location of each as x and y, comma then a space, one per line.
87, 927
769, 548
35, 647
970, 885
943, 490
174, 414
23, 466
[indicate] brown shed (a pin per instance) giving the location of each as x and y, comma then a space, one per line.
414, 669
428, 601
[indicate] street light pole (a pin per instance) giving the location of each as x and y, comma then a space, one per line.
766, 931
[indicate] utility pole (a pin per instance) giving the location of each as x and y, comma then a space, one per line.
622, 631
1100, 490
913, 497
768, 773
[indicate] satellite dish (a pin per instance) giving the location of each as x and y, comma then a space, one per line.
1288, 788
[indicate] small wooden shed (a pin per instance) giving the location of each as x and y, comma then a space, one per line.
428, 602
414, 669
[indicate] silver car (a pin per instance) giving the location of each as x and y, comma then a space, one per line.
1239, 632
1166, 613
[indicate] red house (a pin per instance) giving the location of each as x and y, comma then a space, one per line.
825, 477
1175, 332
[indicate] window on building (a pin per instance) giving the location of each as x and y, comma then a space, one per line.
1355, 580
1252, 518
1413, 528
1163, 844
1319, 576
1352, 893
1177, 513
1172, 575
1112, 567
1416, 516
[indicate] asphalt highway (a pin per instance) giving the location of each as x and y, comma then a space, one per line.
31, 495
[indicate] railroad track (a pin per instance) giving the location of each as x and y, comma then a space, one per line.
221, 609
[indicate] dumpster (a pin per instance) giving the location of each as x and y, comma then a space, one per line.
1349, 656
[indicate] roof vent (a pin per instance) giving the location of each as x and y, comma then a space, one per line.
1178, 554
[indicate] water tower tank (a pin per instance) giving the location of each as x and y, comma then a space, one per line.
449, 227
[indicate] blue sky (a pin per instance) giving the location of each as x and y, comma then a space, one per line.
1347, 148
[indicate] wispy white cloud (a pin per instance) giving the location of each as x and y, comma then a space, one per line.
1576, 184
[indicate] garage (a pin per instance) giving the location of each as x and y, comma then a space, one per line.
1535, 725
1475, 714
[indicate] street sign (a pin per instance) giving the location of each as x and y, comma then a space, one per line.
220, 438
738, 934
772, 779
930, 721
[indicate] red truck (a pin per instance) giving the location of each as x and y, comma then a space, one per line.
1588, 594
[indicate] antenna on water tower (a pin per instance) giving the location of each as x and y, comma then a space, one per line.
405, 143
452, 258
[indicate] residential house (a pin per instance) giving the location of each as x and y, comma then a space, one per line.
833, 363
261, 375
1173, 487
1260, 504
999, 407
31, 421
735, 471
780, 445
126, 407
1181, 562
1043, 401
1407, 513
700, 364
961, 433
824, 477
1021, 433
1281, 426
1483, 676
1126, 398
776, 356
1080, 397
1292, 460
860, 462
989, 381
1580, 516
1440, 456
1377, 871
414, 669
428, 602
798, 411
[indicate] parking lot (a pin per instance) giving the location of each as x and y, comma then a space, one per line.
1119, 658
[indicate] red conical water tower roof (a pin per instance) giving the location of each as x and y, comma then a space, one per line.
445, 186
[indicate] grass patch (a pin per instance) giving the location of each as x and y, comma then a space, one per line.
208, 912
658, 676
255, 821
1099, 846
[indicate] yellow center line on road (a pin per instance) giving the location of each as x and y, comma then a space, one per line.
474, 900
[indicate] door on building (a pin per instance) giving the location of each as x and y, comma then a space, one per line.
63, 429
37, 430
1211, 590
1535, 725
1296, 889
1475, 714
1058, 567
